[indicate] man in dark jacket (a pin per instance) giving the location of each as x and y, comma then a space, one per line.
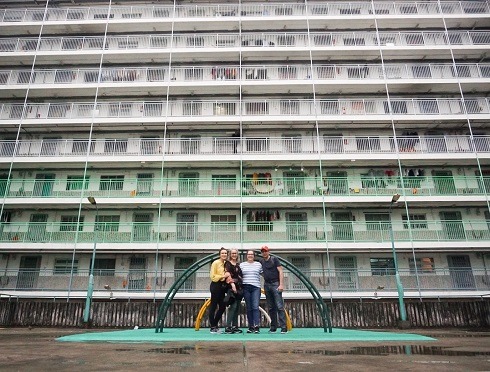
273, 287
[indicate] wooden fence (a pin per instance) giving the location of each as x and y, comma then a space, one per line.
303, 313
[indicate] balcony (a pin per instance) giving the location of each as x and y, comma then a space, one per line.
354, 282
301, 148
167, 13
114, 80
428, 234
251, 44
283, 189
250, 111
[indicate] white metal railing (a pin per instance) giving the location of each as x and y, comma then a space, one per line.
339, 280
392, 71
250, 109
66, 148
227, 11
189, 42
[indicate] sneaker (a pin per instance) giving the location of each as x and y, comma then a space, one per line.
237, 330
272, 330
250, 330
284, 330
229, 330
214, 330
256, 330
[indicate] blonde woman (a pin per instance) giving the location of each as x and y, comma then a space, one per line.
218, 288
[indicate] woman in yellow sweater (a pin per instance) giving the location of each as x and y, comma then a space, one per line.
218, 289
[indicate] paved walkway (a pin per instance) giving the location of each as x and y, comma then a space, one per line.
38, 349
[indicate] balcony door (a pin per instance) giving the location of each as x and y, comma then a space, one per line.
142, 227
461, 272
37, 227
187, 227
444, 182
180, 265
137, 274
43, 185
337, 183
28, 272
452, 225
346, 271
303, 265
188, 183
342, 226
144, 183
297, 226
294, 183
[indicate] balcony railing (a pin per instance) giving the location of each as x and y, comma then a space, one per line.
270, 230
265, 40
275, 185
248, 109
233, 11
339, 281
209, 146
273, 73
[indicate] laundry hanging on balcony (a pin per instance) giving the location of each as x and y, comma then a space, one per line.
262, 215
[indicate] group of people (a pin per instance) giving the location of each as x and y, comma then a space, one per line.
232, 281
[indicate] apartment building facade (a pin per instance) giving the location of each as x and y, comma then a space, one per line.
197, 125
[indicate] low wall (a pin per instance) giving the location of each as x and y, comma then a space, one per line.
303, 313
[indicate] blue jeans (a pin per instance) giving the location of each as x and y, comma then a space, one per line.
275, 304
251, 294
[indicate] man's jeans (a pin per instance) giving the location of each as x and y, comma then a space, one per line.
251, 294
275, 304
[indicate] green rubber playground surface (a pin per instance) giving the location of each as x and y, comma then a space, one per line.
189, 334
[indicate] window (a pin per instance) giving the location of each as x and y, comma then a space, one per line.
103, 15
6, 217
354, 41
4, 77
223, 223
158, 42
289, 107
350, 11
64, 266
74, 14
127, 44
224, 184
417, 221
193, 73
76, 182
69, 223
192, 108
104, 266
382, 266
377, 221
107, 223
423, 265
415, 39
115, 146
257, 108
195, 41
131, 15
112, 182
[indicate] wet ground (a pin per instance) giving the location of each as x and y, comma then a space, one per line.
36, 349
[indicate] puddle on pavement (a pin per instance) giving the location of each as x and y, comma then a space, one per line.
386, 350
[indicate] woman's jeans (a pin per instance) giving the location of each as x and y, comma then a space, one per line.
251, 294
233, 310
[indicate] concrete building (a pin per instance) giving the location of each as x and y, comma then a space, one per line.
196, 125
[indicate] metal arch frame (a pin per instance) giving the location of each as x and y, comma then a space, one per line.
320, 303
